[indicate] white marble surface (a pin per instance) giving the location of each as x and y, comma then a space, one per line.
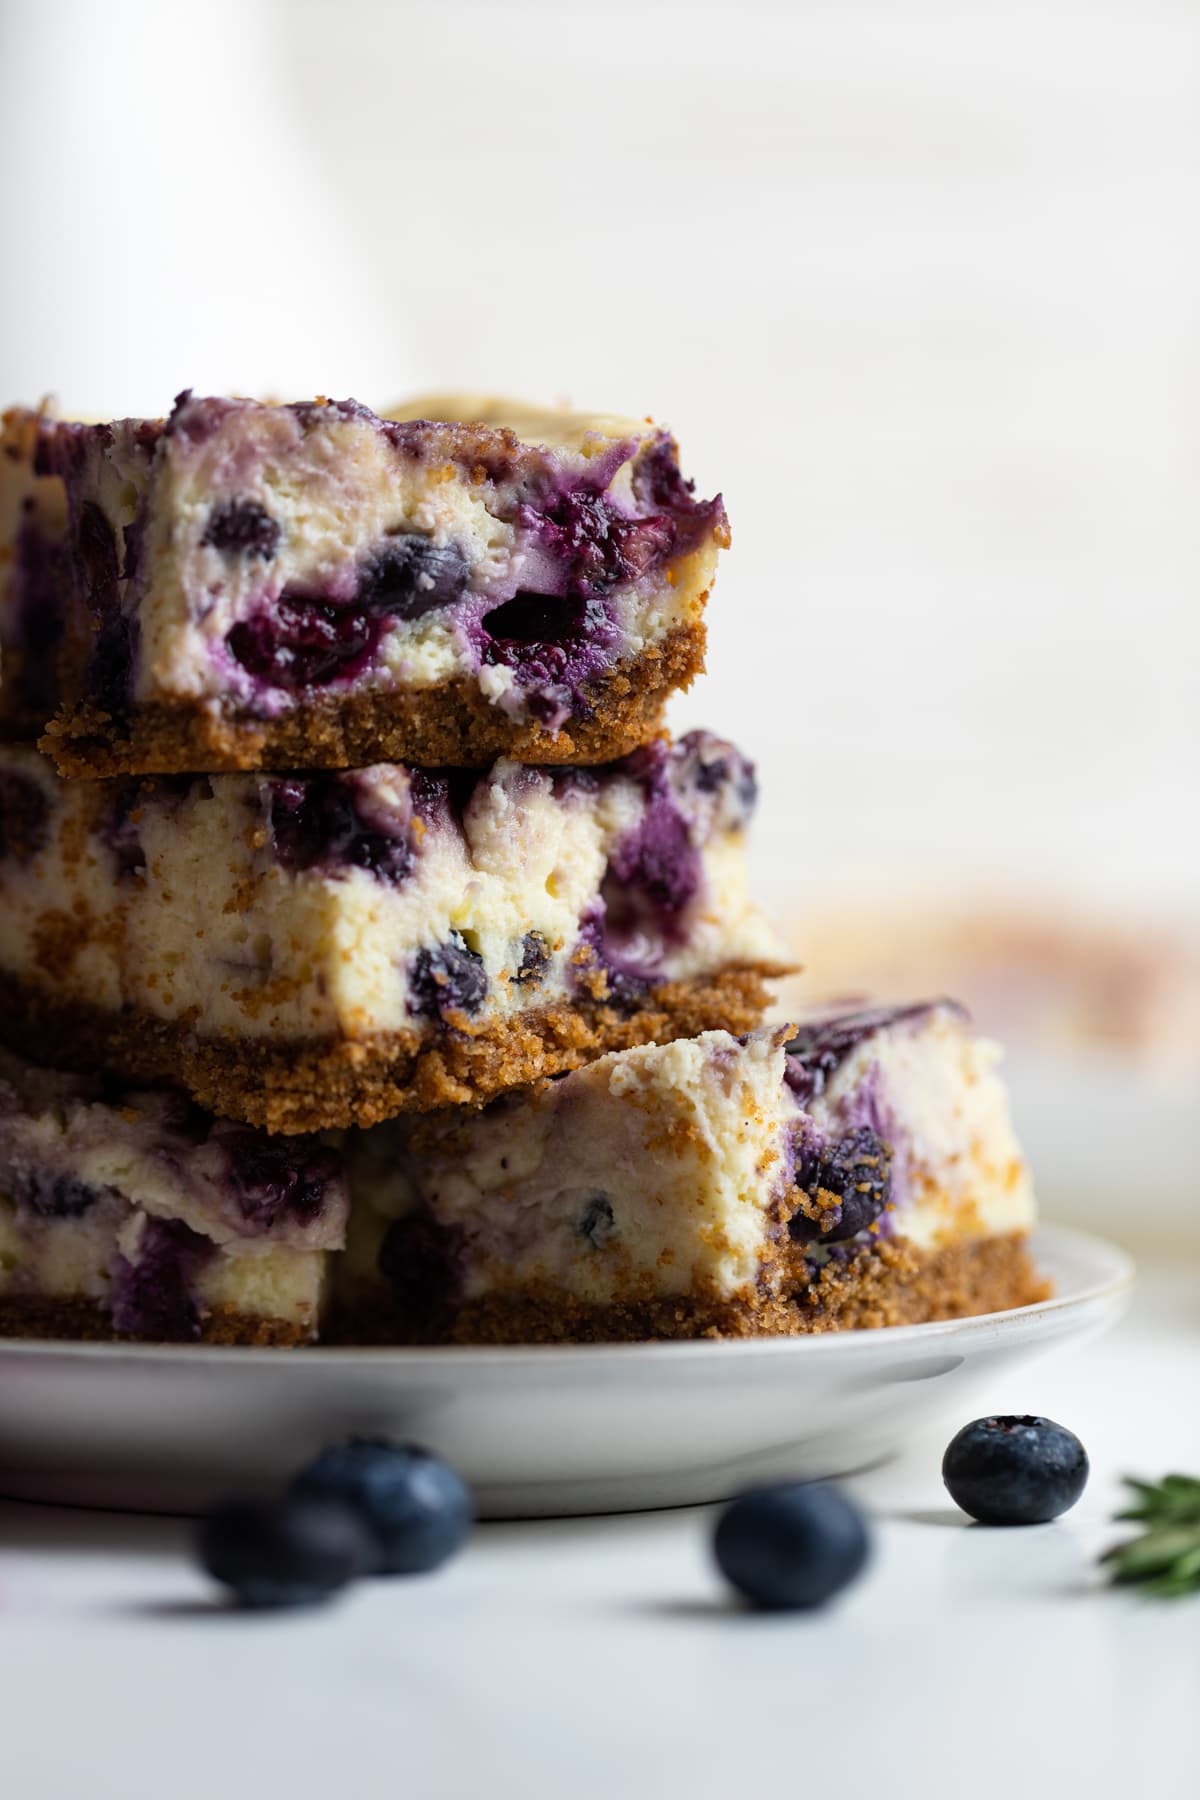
600, 1658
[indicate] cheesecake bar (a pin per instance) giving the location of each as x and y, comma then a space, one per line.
34, 573
134, 1214
255, 586
855, 1170
309, 951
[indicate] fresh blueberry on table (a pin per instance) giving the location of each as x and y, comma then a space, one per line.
1015, 1470
417, 1509
791, 1546
290, 1552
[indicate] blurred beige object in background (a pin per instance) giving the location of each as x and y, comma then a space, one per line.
1100, 1020
1063, 985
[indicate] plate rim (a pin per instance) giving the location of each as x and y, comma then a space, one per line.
1119, 1277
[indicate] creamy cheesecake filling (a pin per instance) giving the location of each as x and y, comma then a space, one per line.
716, 1169
253, 555
157, 1214
380, 900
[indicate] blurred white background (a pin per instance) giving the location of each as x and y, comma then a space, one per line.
916, 284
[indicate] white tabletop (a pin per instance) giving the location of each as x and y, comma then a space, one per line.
601, 1658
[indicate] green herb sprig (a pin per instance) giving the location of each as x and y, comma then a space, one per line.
1163, 1560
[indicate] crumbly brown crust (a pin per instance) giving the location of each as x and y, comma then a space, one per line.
451, 726
887, 1283
892, 1284
33, 1316
314, 1086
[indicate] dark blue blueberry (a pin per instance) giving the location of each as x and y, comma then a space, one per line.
626, 984
446, 980
535, 954
658, 484
302, 643
51, 1193
551, 645
243, 528
855, 1171
819, 1047
315, 820
291, 1552
152, 1297
596, 545
417, 1509
657, 858
658, 487
412, 576
275, 1177
422, 1263
596, 1222
795, 1545
728, 770
24, 816
1015, 1470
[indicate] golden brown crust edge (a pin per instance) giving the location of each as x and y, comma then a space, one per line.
892, 1284
448, 726
37, 1316
888, 1283
315, 1086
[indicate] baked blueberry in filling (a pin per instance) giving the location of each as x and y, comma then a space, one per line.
848, 1183
656, 861
411, 576
24, 811
273, 1176
595, 545
628, 981
243, 528
448, 979
818, 1050
152, 1297
596, 1221
51, 1193
422, 1262
318, 820
553, 645
305, 641
535, 954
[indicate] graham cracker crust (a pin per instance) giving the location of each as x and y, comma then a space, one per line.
451, 725
322, 1085
885, 1283
34, 1316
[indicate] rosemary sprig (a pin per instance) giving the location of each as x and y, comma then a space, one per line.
1165, 1558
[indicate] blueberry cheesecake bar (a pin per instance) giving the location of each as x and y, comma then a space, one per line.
253, 586
855, 1170
134, 1214
310, 951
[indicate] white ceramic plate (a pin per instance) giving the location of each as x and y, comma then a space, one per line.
537, 1431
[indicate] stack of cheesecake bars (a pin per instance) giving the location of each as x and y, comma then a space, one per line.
373, 965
